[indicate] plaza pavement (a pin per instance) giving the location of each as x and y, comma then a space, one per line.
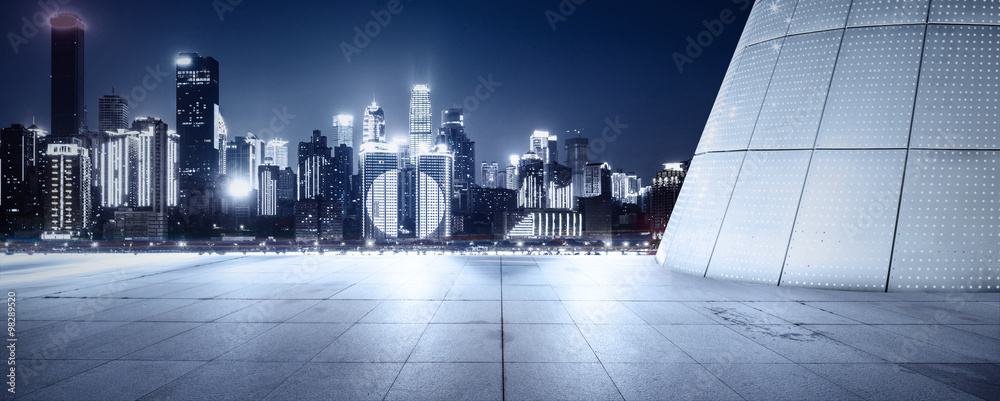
449, 327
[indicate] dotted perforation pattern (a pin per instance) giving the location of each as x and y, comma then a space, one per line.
949, 223
843, 232
874, 88
754, 236
887, 12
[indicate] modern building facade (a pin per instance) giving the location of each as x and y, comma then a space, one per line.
343, 125
112, 113
421, 122
374, 124
202, 146
21, 151
277, 150
380, 190
315, 168
576, 159
68, 107
853, 145
490, 175
67, 205
434, 183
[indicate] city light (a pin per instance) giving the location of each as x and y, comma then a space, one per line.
239, 188
184, 61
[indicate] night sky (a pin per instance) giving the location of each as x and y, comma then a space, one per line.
606, 60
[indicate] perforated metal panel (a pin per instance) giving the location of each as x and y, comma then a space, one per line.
949, 223
768, 20
843, 233
818, 15
887, 12
874, 86
735, 112
754, 236
965, 12
712, 178
789, 118
958, 106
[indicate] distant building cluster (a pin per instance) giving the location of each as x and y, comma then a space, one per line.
135, 179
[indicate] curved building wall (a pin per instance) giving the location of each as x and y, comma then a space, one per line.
853, 145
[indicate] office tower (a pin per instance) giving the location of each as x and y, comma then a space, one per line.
663, 196
315, 168
452, 135
68, 115
838, 168
597, 205
596, 179
421, 124
199, 123
511, 174
287, 185
343, 125
576, 159
20, 164
243, 155
343, 169
67, 207
157, 164
112, 113
319, 220
559, 187
625, 187
268, 175
380, 190
277, 150
403, 150
117, 168
434, 183
490, 172
531, 177
545, 146
374, 124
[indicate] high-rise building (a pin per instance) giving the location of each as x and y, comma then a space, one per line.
199, 123
157, 165
319, 220
559, 187
577, 158
343, 125
421, 122
287, 186
277, 150
117, 168
452, 135
315, 168
545, 146
596, 179
67, 207
511, 182
625, 187
374, 124
490, 173
243, 156
434, 183
112, 113
343, 170
663, 196
21, 153
531, 176
68, 108
268, 175
380, 190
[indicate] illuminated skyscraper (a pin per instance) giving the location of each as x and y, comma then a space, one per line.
343, 125
421, 122
434, 183
380, 190
625, 187
277, 150
490, 172
198, 120
67, 207
315, 168
243, 156
577, 159
268, 175
68, 108
374, 124
21, 152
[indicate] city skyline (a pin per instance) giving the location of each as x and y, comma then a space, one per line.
253, 104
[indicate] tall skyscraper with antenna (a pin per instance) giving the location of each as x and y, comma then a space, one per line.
421, 122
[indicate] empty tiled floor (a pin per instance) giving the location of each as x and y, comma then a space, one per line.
189, 327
